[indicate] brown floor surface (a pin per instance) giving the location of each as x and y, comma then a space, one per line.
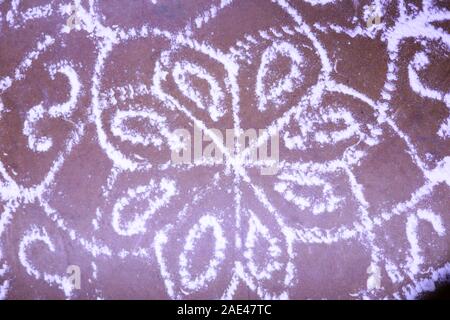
91, 94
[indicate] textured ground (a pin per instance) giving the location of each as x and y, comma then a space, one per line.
91, 94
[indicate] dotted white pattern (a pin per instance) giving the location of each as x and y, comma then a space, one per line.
238, 228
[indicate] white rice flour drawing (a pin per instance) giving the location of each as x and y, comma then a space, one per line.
235, 258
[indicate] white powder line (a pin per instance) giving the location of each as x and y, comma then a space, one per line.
4, 288
31, 236
94, 247
280, 236
17, 19
422, 285
232, 287
419, 62
125, 93
38, 113
161, 240
206, 16
418, 26
137, 225
26, 63
416, 197
416, 259
220, 243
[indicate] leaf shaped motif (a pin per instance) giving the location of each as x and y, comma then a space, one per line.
120, 127
269, 270
328, 202
183, 71
271, 92
155, 195
195, 234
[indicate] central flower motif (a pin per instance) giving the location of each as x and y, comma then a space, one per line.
230, 227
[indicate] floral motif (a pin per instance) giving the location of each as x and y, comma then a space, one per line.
232, 227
